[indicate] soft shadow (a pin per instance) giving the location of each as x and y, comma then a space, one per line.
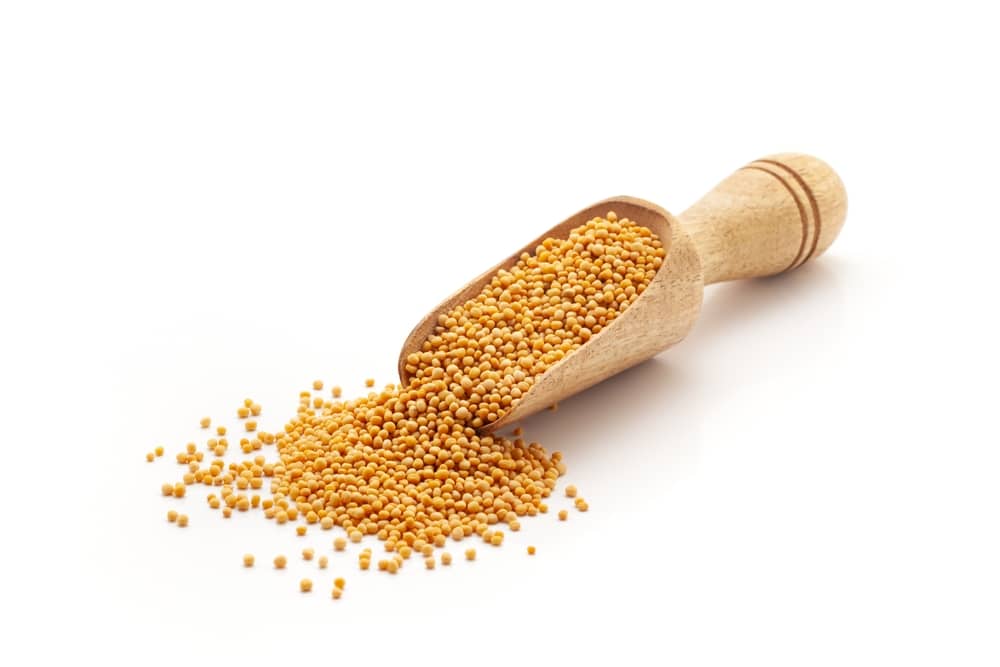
668, 393
728, 305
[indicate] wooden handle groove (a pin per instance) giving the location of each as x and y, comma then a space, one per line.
773, 215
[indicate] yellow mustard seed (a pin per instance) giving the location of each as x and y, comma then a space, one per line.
339, 583
563, 514
243, 412
429, 563
470, 554
370, 382
336, 593
317, 385
306, 585
227, 512
323, 560
364, 563
383, 564
571, 491
337, 392
255, 410
182, 520
446, 558
150, 456
280, 562
250, 425
411, 463
307, 554
326, 523
158, 451
339, 544
247, 560
300, 531
171, 516
497, 539
206, 422
168, 489
220, 430
179, 490
531, 550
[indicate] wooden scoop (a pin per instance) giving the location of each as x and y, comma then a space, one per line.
771, 216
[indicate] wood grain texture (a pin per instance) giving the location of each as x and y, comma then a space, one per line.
773, 215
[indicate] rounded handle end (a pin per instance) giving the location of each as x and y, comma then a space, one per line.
772, 215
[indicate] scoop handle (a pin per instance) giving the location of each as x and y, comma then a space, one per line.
771, 216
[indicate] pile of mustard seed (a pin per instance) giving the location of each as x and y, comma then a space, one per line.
407, 464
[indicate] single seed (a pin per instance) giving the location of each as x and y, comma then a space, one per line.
250, 425
179, 490
339, 544
446, 558
206, 422
247, 560
339, 583
326, 523
531, 550
280, 562
220, 430
182, 520
563, 514
336, 593
370, 382
171, 516
356, 536
150, 456
243, 412
337, 391
429, 563
300, 530
392, 567
307, 554
158, 451
470, 554
497, 539
323, 560
383, 565
306, 585
571, 491
168, 489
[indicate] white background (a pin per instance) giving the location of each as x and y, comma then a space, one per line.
201, 201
